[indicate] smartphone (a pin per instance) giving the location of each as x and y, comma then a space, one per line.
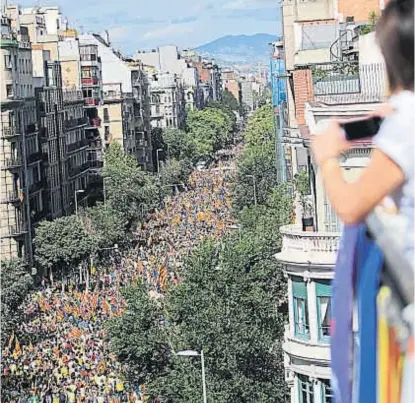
362, 128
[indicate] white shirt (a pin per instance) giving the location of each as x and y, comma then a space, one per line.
396, 140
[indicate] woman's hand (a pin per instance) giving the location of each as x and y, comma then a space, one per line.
329, 143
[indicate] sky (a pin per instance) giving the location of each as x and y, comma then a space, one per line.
144, 24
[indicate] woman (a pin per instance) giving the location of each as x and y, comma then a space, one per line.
391, 170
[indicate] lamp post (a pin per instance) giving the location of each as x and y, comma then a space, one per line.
158, 160
254, 183
76, 199
192, 353
104, 190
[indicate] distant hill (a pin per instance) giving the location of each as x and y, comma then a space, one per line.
239, 49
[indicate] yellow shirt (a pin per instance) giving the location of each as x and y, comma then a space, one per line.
119, 386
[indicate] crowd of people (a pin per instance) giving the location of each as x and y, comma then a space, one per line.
60, 352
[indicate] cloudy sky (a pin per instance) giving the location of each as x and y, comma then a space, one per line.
142, 24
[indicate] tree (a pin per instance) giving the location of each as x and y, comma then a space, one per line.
138, 337
62, 243
229, 100
16, 283
174, 172
129, 190
227, 305
211, 130
104, 225
260, 126
255, 167
179, 144
157, 143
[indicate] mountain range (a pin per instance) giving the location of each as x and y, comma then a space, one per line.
231, 50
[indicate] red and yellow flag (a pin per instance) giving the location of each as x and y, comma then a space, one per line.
17, 350
11, 341
75, 333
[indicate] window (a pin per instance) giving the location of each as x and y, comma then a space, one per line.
8, 62
300, 306
9, 90
305, 389
106, 115
326, 392
323, 293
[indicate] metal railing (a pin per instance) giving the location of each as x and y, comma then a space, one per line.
9, 131
72, 123
15, 230
72, 95
13, 162
9, 197
347, 81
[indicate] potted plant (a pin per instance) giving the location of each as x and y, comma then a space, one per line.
302, 187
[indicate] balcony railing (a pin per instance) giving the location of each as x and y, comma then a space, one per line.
347, 82
300, 247
15, 230
72, 96
79, 169
35, 187
90, 81
32, 128
72, 123
14, 162
95, 122
9, 197
9, 131
91, 101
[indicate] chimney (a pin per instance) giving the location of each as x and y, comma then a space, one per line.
107, 35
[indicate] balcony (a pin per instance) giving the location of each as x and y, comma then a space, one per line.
9, 197
8, 40
302, 248
12, 163
34, 156
32, 128
35, 187
15, 231
9, 132
91, 102
89, 82
79, 169
347, 82
94, 122
72, 96
70, 148
74, 123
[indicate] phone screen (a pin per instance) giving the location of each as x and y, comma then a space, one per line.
361, 129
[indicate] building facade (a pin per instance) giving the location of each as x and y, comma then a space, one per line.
21, 181
131, 83
331, 72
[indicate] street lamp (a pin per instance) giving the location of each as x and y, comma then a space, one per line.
254, 183
158, 160
104, 189
76, 199
192, 353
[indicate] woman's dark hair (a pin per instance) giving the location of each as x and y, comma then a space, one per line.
395, 33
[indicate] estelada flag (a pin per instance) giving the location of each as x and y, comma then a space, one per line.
17, 350
75, 333
59, 315
30, 347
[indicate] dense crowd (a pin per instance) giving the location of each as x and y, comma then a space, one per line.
60, 352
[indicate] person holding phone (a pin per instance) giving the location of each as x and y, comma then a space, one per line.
391, 169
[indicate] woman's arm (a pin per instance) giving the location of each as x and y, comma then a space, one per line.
353, 201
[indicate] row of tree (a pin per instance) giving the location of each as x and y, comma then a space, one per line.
231, 303
65, 243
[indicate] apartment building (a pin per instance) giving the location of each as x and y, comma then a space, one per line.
231, 82
332, 71
210, 76
21, 180
167, 101
247, 94
125, 81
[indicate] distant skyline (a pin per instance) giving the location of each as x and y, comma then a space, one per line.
139, 24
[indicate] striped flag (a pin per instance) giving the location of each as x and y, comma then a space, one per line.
75, 333
59, 315
163, 277
17, 350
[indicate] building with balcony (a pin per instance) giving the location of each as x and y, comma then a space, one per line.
126, 77
167, 101
168, 60
332, 71
21, 181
